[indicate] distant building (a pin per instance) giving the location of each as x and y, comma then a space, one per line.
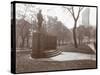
86, 16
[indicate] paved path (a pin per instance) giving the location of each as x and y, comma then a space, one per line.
68, 56
92, 47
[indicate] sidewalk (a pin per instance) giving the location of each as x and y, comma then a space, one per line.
92, 47
68, 56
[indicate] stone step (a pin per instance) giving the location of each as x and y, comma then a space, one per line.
52, 53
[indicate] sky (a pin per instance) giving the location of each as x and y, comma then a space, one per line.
63, 15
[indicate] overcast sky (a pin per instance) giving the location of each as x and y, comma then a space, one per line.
62, 14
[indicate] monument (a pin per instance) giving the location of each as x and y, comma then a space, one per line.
43, 44
36, 53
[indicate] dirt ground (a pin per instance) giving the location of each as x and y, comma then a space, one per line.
24, 64
27, 65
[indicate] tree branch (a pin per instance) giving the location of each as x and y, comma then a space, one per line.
71, 10
80, 9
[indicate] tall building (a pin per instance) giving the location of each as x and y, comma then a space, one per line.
86, 16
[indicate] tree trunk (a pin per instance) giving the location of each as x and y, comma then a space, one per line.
27, 42
22, 44
74, 35
79, 40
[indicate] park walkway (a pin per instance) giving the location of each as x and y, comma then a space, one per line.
92, 47
69, 56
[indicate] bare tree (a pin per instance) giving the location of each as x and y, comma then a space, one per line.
58, 29
23, 26
81, 33
75, 18
89, 33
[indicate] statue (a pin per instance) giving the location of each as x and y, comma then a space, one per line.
42, 43
40, 19
36, 44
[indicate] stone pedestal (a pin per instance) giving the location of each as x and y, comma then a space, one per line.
36, 47
44, 45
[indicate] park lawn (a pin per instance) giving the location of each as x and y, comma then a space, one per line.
24, 64
34, 65
81, 49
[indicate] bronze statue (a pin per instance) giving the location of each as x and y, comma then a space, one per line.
40, 19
